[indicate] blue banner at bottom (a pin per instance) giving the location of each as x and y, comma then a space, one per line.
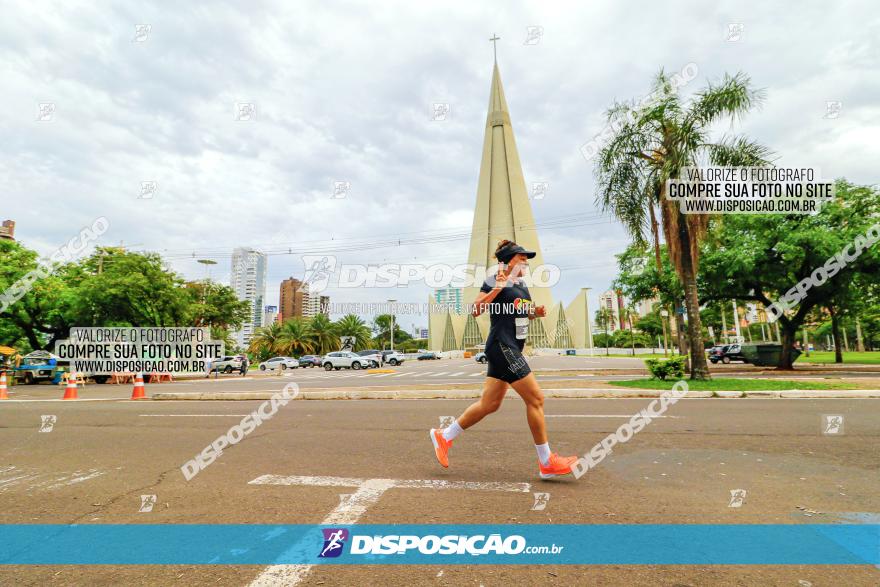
412, 544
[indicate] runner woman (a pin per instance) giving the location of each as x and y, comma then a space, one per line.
510, 308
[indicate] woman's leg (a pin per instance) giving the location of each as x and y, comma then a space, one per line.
493, 395
531, 393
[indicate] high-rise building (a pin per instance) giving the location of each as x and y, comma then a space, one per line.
7, 230
609, 301
314, 304
248, 280
450, 297
293, 298
645, 307
270, 315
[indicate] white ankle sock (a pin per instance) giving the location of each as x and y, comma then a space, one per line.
453, 431
543, 452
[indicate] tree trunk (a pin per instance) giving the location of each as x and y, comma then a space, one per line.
860, 344
723, 324
835, 332
788, 333
680, 329
699, 365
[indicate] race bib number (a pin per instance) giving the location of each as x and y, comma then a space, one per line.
522, 328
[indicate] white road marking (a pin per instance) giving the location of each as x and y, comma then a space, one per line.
404, 483
600, 416
440, 374
192, 415
74, 480
37, 480
477, 374
457, 374
351, 508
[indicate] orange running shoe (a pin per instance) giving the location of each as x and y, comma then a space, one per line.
557, 465
441, 446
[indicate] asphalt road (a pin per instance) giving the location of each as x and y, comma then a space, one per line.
100, 457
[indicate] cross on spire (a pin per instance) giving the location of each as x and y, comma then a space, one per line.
495, 46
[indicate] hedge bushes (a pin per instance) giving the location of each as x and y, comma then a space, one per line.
663, 369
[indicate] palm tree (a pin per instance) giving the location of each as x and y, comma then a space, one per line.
323, 334
604, 318
351, 325
266, 341
651, 145
296, 337
627, 314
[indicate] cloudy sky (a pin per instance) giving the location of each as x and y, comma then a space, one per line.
344, 92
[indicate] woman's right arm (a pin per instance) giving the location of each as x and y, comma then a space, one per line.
483, 299
486, 297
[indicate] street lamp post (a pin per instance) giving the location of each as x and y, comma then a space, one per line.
663, 317
392, 322
207, 263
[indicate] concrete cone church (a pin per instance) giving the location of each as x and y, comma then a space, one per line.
503, 211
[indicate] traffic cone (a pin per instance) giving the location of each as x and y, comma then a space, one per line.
3, 394
70, 390
138, 391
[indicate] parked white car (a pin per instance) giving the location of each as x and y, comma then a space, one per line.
345, 360
393, 358
279, 363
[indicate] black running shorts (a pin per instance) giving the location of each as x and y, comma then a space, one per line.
506, 363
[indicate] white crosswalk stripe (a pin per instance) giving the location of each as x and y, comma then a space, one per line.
440, 374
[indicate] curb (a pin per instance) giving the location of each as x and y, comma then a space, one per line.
729, 394
415, 394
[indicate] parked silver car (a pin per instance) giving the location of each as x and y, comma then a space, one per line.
226, 364
279, 363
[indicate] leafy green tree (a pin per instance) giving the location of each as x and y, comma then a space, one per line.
267, 342
651, 324
352, 325
121, 288
215, 304
296, 337
651, 145
33, 316
323, 334
382, 331
604, 319
112, 287
762, 257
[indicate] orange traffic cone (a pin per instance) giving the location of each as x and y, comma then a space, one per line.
3, 394
70, 390
138, 391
